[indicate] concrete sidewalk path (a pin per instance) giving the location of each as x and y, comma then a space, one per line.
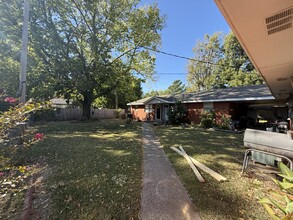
163, 195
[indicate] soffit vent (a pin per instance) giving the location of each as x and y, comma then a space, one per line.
279, 22
282, 78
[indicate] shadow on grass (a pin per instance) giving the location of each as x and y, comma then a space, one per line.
96, 169
222, 152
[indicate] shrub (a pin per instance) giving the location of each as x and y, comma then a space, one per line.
123, 116
206, 123
4, 106
15, 137
177, 114
206, 119
43, 115
281, 207
117, 112
6, 103
225, 122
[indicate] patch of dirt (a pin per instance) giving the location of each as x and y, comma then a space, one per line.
41, 204
262, 175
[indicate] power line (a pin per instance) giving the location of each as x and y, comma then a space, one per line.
166, 73
162, 73
187, 58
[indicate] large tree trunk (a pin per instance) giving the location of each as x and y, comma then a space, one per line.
86, 105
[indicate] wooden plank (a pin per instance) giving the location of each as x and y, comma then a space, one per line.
177, 151
204, 168
208, 170
196, 172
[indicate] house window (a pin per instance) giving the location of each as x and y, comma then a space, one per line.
148, 108
136, 107
208, 106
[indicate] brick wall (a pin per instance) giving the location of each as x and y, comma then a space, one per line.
221, 108
139, 113
237, 110
194, 111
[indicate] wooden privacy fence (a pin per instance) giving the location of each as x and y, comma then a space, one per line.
64, 114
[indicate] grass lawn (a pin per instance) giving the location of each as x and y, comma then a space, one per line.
95, 169
222, 152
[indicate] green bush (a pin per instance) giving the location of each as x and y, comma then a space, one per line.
177, 114
117, 113
206, 123
206, 119
281, 207
4, 106
225, 122
15, 137
43, 115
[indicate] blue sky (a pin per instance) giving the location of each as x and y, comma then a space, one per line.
187, 22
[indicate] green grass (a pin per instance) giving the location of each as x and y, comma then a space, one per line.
96, 169
222, 152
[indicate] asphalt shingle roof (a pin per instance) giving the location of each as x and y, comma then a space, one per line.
164, 98
241, 93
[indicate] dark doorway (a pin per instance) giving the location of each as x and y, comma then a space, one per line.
158, 113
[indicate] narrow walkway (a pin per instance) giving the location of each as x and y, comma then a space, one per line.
163, 195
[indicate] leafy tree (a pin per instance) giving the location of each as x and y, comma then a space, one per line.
89, 47
126, 91
201, 69
236, 69
38, 81
10, 43
176, 87
225, 64
156, 93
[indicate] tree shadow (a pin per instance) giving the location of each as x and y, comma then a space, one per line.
222, 152
93, 169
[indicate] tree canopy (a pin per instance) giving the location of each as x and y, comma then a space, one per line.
126, 91
175, 88
82, 49
89, 47
219, 61
10, 44
201, 69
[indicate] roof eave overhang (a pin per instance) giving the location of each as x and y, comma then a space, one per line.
160, 101
232, 99
270, 53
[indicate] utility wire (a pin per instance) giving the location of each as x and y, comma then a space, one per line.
187, 58
166, 73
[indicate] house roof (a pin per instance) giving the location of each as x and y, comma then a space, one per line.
154, 100
60, 101
242, 93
